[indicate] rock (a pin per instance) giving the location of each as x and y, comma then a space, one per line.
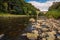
44, 29
43, 23
1, 36
51, 36
23, 34
33, 23
32, 36
44, 26
37, 26
40, 21
58, 28
43, 38
53, 32
59, 31
43, 35
32, 20
35, 31
58, 36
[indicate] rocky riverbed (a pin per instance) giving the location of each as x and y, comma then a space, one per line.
43, 29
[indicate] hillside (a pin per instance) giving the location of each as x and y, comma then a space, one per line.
54, 10
55, 6
16, 7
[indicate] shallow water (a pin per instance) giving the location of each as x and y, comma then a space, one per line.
13, 26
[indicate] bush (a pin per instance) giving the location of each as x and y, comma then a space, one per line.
53, 13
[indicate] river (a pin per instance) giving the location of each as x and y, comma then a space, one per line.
13, 28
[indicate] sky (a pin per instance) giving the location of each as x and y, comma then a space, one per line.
42, 5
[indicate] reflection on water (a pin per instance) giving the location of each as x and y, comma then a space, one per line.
12, 27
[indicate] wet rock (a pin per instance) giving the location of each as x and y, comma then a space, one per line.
58, 36
1, 36
44, 26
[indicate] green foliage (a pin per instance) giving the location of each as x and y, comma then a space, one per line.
54, 11
56, 5
16, 7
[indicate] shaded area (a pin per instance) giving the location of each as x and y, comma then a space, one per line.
12, 26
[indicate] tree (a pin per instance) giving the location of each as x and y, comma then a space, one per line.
16, 7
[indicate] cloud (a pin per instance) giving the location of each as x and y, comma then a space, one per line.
54, 0
43, 6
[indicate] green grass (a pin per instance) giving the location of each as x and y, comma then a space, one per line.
11, 15
53, 13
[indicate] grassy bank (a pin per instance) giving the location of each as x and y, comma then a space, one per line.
12, 15
54, 13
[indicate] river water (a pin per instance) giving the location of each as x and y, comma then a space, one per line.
13, 28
